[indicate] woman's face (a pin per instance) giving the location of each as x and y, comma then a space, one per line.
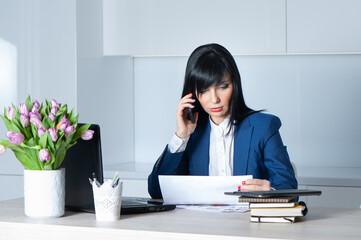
215, 100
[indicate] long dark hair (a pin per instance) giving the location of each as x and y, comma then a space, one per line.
207, 66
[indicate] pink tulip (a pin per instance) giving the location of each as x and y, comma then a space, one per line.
69, 130
54, 110
15, 137
52, 117
54, 103
2, 149
36, 122
35, 115
24, 120
10, 113
63, 124
24, 109
44, 155
36, 106
41, 131
53, 134
87, 134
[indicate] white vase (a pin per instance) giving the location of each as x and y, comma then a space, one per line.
44, 193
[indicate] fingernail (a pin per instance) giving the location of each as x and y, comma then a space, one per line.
243, 182
239, 188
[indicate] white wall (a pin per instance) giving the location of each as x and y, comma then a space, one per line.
105, 90
44, 36
312, 80
61, 45
316, 97
105, 97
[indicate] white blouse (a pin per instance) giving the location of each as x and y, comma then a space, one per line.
220, 148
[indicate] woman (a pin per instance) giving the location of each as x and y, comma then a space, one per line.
227, 138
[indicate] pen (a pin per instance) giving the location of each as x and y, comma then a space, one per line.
115, 179
95, 180
116, 182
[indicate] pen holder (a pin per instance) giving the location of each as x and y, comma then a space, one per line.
107, 201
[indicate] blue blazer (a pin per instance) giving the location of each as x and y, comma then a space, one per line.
258, 151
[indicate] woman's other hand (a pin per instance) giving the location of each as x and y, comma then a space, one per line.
255, 185
184, 126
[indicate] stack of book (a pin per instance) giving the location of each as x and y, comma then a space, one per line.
280, 209
276, 205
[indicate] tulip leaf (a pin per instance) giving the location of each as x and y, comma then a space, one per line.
29, 158
43, 111
48, 104
64, 108
34, 131
43, 140
28, 103
70, 138
45, 122
27, 134
71, 117
6, 143
50, 141
8, 123
59, 155
60, 139
17, 126
49, 123
23, 158
30, 144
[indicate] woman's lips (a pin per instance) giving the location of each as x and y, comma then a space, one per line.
218, 109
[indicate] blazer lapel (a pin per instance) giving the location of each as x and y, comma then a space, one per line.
242, 143
200, 156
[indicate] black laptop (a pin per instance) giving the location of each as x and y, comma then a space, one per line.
84, 159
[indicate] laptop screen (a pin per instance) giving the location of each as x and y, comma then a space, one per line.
84, 159
81, 161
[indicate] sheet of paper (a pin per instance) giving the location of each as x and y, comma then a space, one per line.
243, 207
177, 189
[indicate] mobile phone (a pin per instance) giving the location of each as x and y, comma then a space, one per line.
191, 115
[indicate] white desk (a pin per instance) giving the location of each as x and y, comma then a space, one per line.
320, 223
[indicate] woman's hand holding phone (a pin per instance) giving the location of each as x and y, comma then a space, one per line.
185, 127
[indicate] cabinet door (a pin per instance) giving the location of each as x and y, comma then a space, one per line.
343, 197
323, 26
162, 27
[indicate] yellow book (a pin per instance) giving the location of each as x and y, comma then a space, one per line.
299, 209
266, 200
272, 205
273, 219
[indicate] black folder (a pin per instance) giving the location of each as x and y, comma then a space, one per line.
276, 193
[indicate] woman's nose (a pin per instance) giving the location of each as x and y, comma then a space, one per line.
214, 97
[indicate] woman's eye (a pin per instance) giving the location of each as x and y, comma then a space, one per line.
225, 86
203, 91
